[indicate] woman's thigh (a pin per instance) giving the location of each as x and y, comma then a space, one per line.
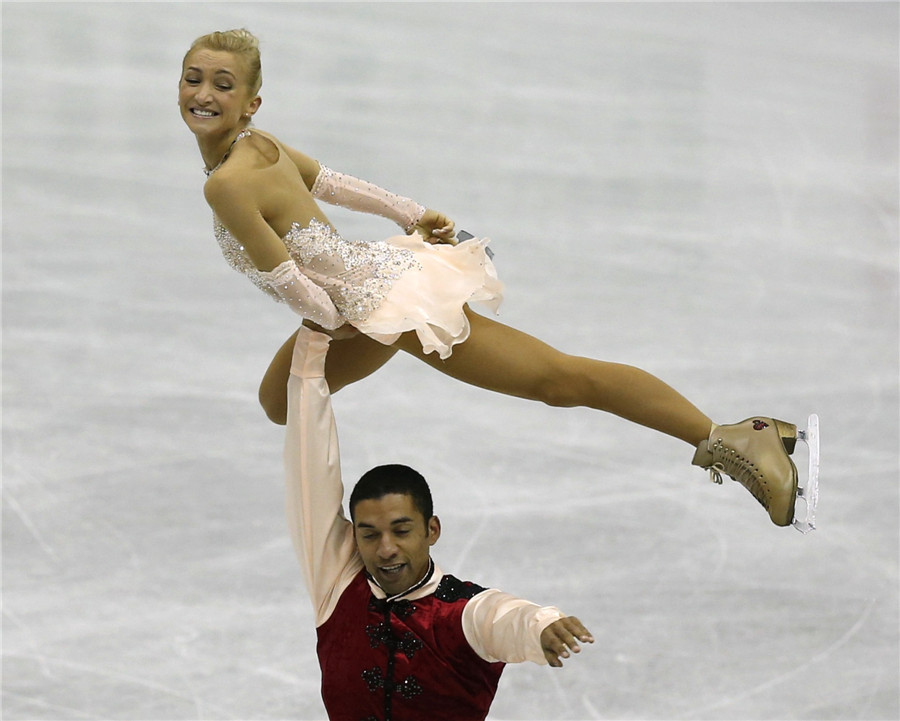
500, 358
352, 359
348, 360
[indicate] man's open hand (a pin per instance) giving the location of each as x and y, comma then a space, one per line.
561, 637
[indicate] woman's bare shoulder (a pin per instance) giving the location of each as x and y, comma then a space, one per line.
235, 188
226, 182
236, 174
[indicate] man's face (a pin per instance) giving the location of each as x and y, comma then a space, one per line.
394, 539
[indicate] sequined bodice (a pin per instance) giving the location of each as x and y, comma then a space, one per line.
357, 275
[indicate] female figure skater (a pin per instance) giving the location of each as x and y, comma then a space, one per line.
410, 292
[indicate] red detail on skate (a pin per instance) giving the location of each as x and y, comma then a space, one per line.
760, 425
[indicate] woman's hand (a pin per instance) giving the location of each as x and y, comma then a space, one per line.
436, 228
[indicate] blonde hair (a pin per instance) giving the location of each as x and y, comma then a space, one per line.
240, 42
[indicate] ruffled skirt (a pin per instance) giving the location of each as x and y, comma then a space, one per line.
430, 297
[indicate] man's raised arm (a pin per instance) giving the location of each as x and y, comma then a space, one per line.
322, 536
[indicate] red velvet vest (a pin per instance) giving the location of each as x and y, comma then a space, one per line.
403, 660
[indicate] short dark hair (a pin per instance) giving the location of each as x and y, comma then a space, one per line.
393, 478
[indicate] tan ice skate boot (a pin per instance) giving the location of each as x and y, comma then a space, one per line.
755, 454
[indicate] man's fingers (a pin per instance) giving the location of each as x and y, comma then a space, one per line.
558, 646
561, 639
577, 628
568, 642
552, 657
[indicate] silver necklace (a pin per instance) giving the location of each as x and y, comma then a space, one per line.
243, 134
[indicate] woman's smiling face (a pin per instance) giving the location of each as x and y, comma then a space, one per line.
214, 95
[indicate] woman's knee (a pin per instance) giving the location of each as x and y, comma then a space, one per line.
562, 384
554, 392
273, 401
273, 388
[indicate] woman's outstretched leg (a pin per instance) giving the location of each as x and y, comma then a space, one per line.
753, 452
349, 360
509, 361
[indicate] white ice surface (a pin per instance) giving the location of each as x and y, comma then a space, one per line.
708, 191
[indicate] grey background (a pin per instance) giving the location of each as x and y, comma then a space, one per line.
708, 191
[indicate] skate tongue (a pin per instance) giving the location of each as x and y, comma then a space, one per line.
703, 457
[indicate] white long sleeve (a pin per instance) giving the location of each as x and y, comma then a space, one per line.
322, 536
360, 195
501, 627
302, 295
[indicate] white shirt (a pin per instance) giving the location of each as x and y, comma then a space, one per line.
498, 626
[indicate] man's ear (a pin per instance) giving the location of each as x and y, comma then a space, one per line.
434, 530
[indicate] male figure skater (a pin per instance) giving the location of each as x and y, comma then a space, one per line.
398, 640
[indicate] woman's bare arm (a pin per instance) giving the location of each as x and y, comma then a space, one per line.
233, 198
308, 167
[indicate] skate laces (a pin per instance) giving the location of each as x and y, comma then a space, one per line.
729, 462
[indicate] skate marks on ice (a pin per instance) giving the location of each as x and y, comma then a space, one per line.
787, 678
146, 699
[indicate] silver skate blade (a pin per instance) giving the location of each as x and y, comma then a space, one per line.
809, 492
